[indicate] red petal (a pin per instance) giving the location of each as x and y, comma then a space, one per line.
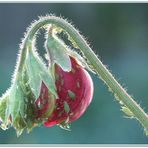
76, 89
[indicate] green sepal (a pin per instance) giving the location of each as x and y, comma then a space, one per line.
16, 102
3, 105
38, 73
57, 52
3, 108
12, 109
81, 60
74, 51
17, 106
64, 125
19, 124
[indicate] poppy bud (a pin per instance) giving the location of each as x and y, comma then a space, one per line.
75, 92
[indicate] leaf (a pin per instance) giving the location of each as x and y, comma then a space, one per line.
37, 72
58, 52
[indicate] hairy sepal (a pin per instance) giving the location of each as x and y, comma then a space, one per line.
73, 49
38, 73
12, 108
57, 52
3, 109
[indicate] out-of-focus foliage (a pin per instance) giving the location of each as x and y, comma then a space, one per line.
118, 33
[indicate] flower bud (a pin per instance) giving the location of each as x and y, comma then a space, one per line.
75, 91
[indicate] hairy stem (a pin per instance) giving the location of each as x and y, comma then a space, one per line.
101, 70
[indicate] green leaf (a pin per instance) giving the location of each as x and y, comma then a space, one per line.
58, 52
37, 72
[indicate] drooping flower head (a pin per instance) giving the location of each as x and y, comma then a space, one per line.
54, 94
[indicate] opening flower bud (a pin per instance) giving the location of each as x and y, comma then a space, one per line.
75, 91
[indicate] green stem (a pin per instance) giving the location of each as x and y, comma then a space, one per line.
102, 71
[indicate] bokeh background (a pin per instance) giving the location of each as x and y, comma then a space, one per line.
118, 33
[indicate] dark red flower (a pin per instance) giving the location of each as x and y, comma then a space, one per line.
75, 91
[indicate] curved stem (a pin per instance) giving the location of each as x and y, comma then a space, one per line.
102, 71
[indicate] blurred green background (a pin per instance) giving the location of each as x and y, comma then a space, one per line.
118, 33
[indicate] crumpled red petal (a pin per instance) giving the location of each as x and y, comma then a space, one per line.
75, 91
